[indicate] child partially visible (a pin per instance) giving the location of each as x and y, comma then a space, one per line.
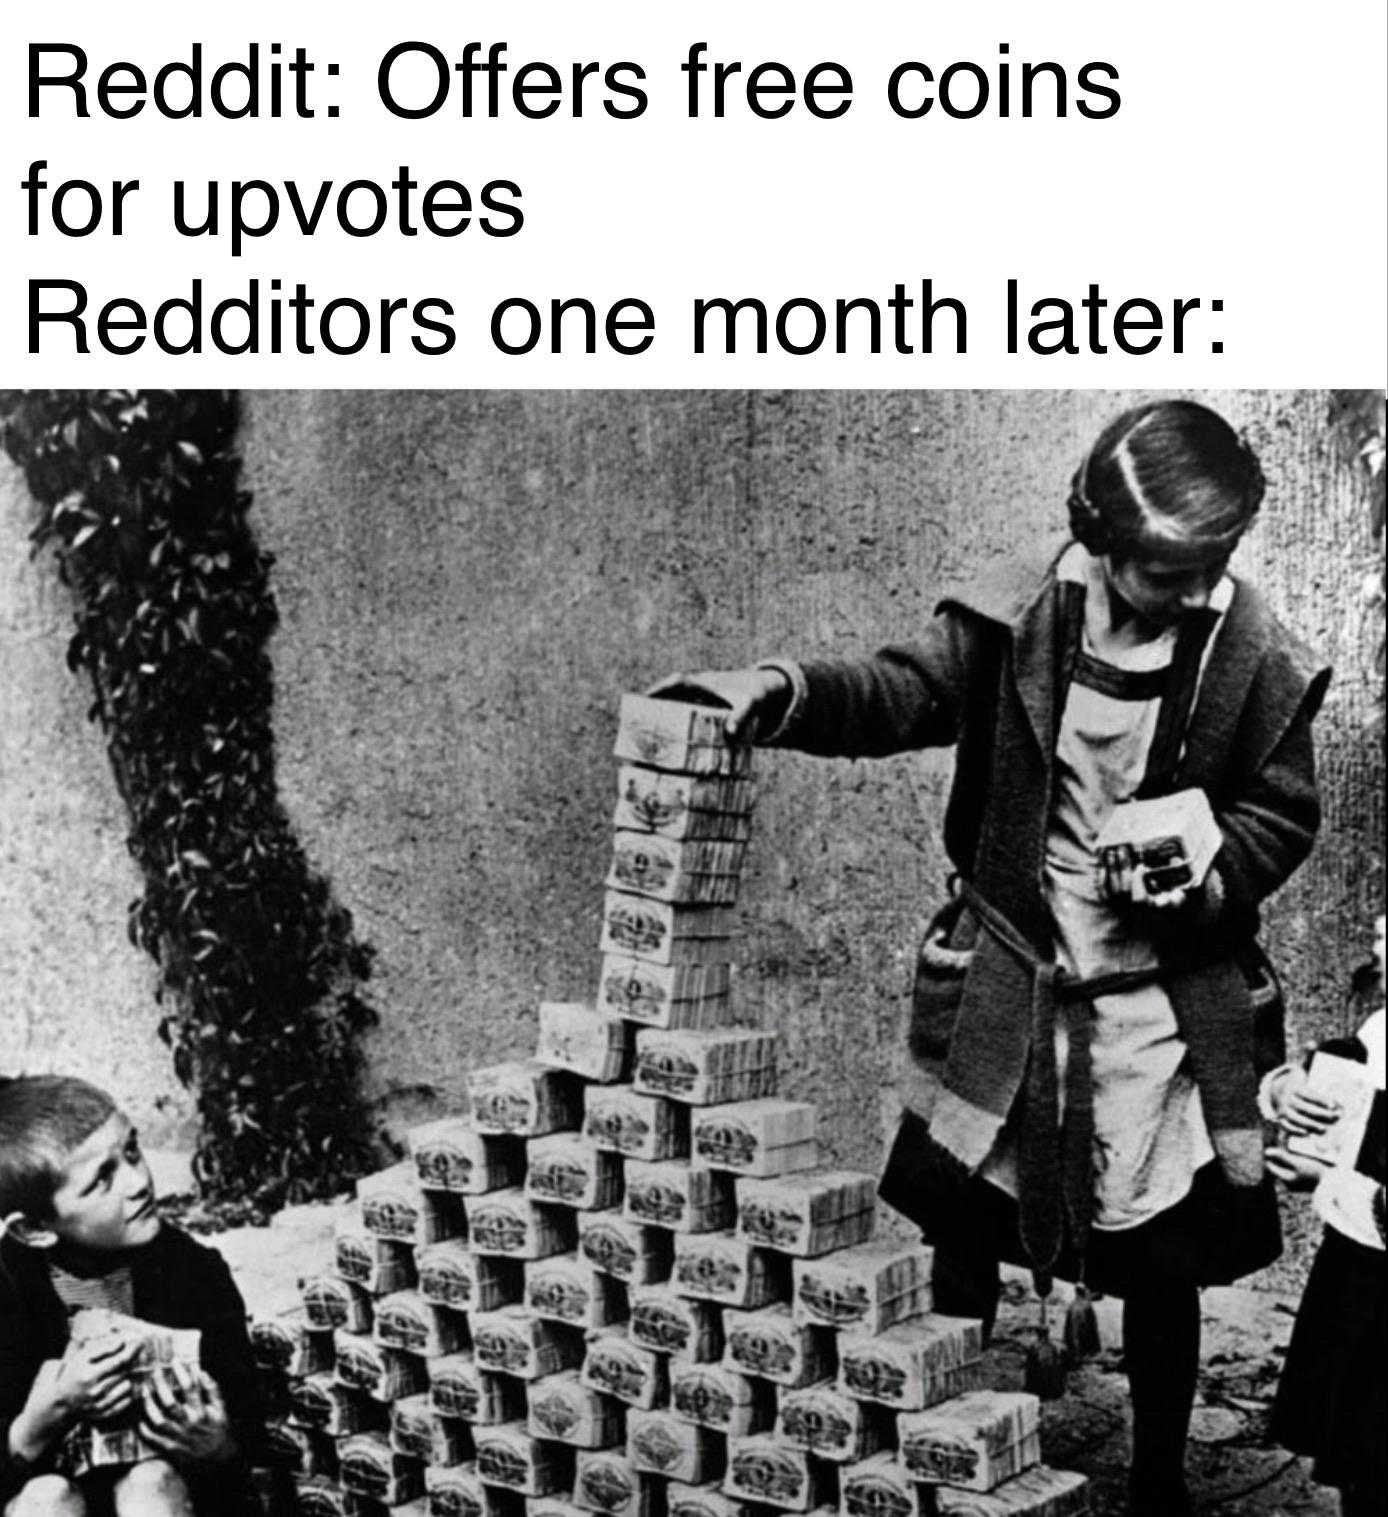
79, 1229
1332, 1403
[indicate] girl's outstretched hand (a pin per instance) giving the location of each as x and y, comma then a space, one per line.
755, 698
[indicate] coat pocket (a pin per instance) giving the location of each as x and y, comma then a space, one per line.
942, 964
1269, 1008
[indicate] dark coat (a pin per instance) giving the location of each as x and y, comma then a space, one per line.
987, 675
178, 1282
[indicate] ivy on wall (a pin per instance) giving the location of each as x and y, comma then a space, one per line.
261, 974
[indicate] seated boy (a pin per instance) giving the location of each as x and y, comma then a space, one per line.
79, 1229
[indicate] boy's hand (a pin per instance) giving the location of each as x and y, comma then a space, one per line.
87, 1384
182, 1414
93, 1382
754, 697
1296, 1171
1300, 1112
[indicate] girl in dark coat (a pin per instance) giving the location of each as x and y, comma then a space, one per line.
1084, 1091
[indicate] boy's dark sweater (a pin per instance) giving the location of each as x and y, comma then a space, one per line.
178, 1282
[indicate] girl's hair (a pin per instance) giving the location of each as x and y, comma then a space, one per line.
1169, 480
42, 1119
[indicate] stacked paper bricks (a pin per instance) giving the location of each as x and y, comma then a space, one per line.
623, 1284
117, 1440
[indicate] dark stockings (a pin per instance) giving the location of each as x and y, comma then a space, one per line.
1161, 1349
1360, 1501
966, 1283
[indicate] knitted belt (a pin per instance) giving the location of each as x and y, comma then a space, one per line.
1055, 1162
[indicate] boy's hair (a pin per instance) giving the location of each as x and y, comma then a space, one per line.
1169, 480
42, 1119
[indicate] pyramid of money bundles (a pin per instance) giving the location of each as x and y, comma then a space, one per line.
623, 1283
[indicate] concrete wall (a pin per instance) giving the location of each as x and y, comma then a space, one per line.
468, 581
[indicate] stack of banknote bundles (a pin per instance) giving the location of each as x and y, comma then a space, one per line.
624, 1283
565, 1169
763, 1137
623, 1121
452, 1155
414, 1325
687, 1330
620, 1367
457, 1491
684, 802
384, 1374
767, 1470
628, 1251
1037, 1492
508, 1224
727, 1269
563, 1408
690, 872
879, 1484
659, 1443
670, 1194
369, 1467
324, 1404
1161, 843
705, 1068
518, 1342
301, 1451
868, 1288
379, 1265
570, 1288
117, 1440
679, 995
451, 1275
975, 1441
585, 1040
665, 803
700, 1501
510, 1459
714, 1396
824, 1422
460, 1387
396, 1208
319, 1496
684, 738
912, 1365
550, 1506
418, 1432
807, 1214
771, 1344
290, 1344
523, 1098
330, 1301
608, 1483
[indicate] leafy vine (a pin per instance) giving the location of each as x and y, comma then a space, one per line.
261, 974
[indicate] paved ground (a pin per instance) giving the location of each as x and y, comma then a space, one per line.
1234, 1472
1233, 1469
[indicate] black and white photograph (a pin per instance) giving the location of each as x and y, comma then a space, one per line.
692, 952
